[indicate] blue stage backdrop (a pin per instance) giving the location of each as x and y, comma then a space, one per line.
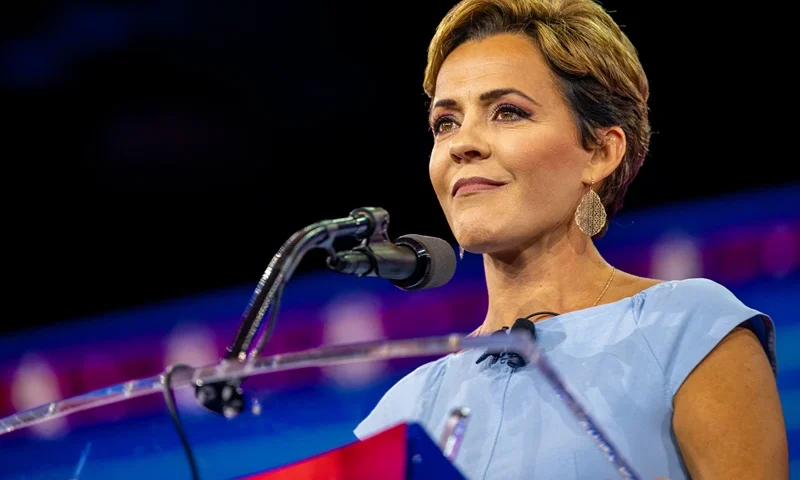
749, 242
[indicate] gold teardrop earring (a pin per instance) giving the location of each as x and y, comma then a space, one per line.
590, 215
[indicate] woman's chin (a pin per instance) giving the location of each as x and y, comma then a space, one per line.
483, 232
481, 245
491, 242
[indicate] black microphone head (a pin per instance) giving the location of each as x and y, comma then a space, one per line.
436, 262
526, 325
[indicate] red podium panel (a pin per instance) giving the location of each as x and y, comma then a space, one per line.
380, 456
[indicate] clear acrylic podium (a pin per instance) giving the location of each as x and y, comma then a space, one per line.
279, 427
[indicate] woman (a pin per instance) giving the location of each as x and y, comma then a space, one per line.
540, 122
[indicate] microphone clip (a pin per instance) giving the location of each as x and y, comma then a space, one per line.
368, 250
380, 227
510, 358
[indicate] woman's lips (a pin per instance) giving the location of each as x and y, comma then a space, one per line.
474, 184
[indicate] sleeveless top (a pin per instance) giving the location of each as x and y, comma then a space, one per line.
622, 361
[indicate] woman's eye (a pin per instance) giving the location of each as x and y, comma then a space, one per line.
442, 125
510, 112
506, 115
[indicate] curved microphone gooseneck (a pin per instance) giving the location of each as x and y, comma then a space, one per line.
413, 262
226, 397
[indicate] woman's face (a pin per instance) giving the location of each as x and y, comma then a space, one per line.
497, 114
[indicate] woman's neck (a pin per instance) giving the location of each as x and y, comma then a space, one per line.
564, 276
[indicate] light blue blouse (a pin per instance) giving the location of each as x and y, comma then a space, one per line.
623, 361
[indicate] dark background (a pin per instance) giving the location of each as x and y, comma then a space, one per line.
158, 150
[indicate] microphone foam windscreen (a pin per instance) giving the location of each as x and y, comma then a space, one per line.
441, 263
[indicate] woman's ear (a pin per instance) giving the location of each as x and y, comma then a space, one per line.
606, 157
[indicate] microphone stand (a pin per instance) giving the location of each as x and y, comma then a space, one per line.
368, 224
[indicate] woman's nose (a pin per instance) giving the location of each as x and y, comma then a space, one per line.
468, 144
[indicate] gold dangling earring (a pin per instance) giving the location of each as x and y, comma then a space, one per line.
591, 214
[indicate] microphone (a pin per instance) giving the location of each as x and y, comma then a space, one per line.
412, 262
513, 359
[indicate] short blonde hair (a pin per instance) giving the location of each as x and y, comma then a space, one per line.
596, 67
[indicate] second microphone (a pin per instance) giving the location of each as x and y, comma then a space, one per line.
412, 262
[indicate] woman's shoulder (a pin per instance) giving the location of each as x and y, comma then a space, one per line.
699, 304
652, 289
683, 320
688, 294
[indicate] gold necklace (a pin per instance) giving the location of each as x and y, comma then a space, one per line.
613, 271
608, 284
